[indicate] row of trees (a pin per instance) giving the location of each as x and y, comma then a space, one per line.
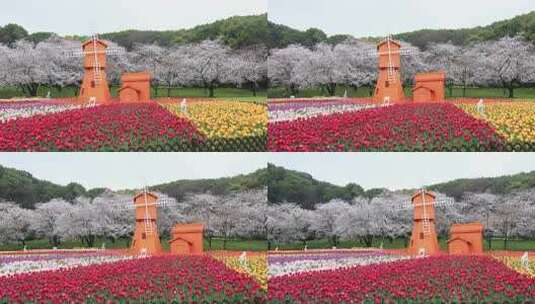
367, 220
86, 220
206, 64
248, 215
507, 63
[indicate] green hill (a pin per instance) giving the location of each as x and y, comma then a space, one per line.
282, 36
26, 190
218, 186
21, 187
523, 25
497, 185
293, 186
236, 32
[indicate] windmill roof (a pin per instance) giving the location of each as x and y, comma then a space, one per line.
99, 41
148, 193
386, 40
426, 192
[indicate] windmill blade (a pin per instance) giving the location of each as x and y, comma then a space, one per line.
441, 203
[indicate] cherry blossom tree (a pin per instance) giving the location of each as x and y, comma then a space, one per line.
282, 67
205, 64
508, 63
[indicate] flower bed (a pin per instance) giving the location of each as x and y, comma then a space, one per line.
116, 127
225, 119
443, 279
255, 264
402, 127
284, 264
190, 279
10, 265
515, 121
308, 109
515, 263
24, 109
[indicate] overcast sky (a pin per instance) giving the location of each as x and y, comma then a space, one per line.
99, 16
363, 18
119, 171
403, 170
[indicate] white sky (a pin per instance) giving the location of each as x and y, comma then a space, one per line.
363, 18
403, 170
119, 171
99, 16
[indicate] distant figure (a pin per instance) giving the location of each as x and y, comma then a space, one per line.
48, 95
334, 247
524, 260
306, 247
381, 246
25, 249
143, 253
55, 248
184, 107
92, 100
386, 101
480, 107
345, 93
243, 259
103, 247
292, 97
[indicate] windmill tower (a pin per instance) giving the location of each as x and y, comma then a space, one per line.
94, 83
146, 239
424, 239
389, 87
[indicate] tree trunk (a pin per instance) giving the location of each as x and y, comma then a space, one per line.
511, 91
331, 89
210, 242
268, 245
168, 91
254, 89
225, 243
211, 91
505, 241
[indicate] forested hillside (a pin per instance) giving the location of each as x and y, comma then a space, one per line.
243, 31
26, 190
235, 32
297, 187
523, 25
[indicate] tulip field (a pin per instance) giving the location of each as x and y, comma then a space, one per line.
358, 125
367, 276
56, 125
242, 125
103, 276
514, 121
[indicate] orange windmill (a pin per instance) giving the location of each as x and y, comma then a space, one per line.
424, 239
146, 239
94, 83
389, 84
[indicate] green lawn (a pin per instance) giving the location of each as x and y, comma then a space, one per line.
220, 93
497, 244
217, 244
522, 93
